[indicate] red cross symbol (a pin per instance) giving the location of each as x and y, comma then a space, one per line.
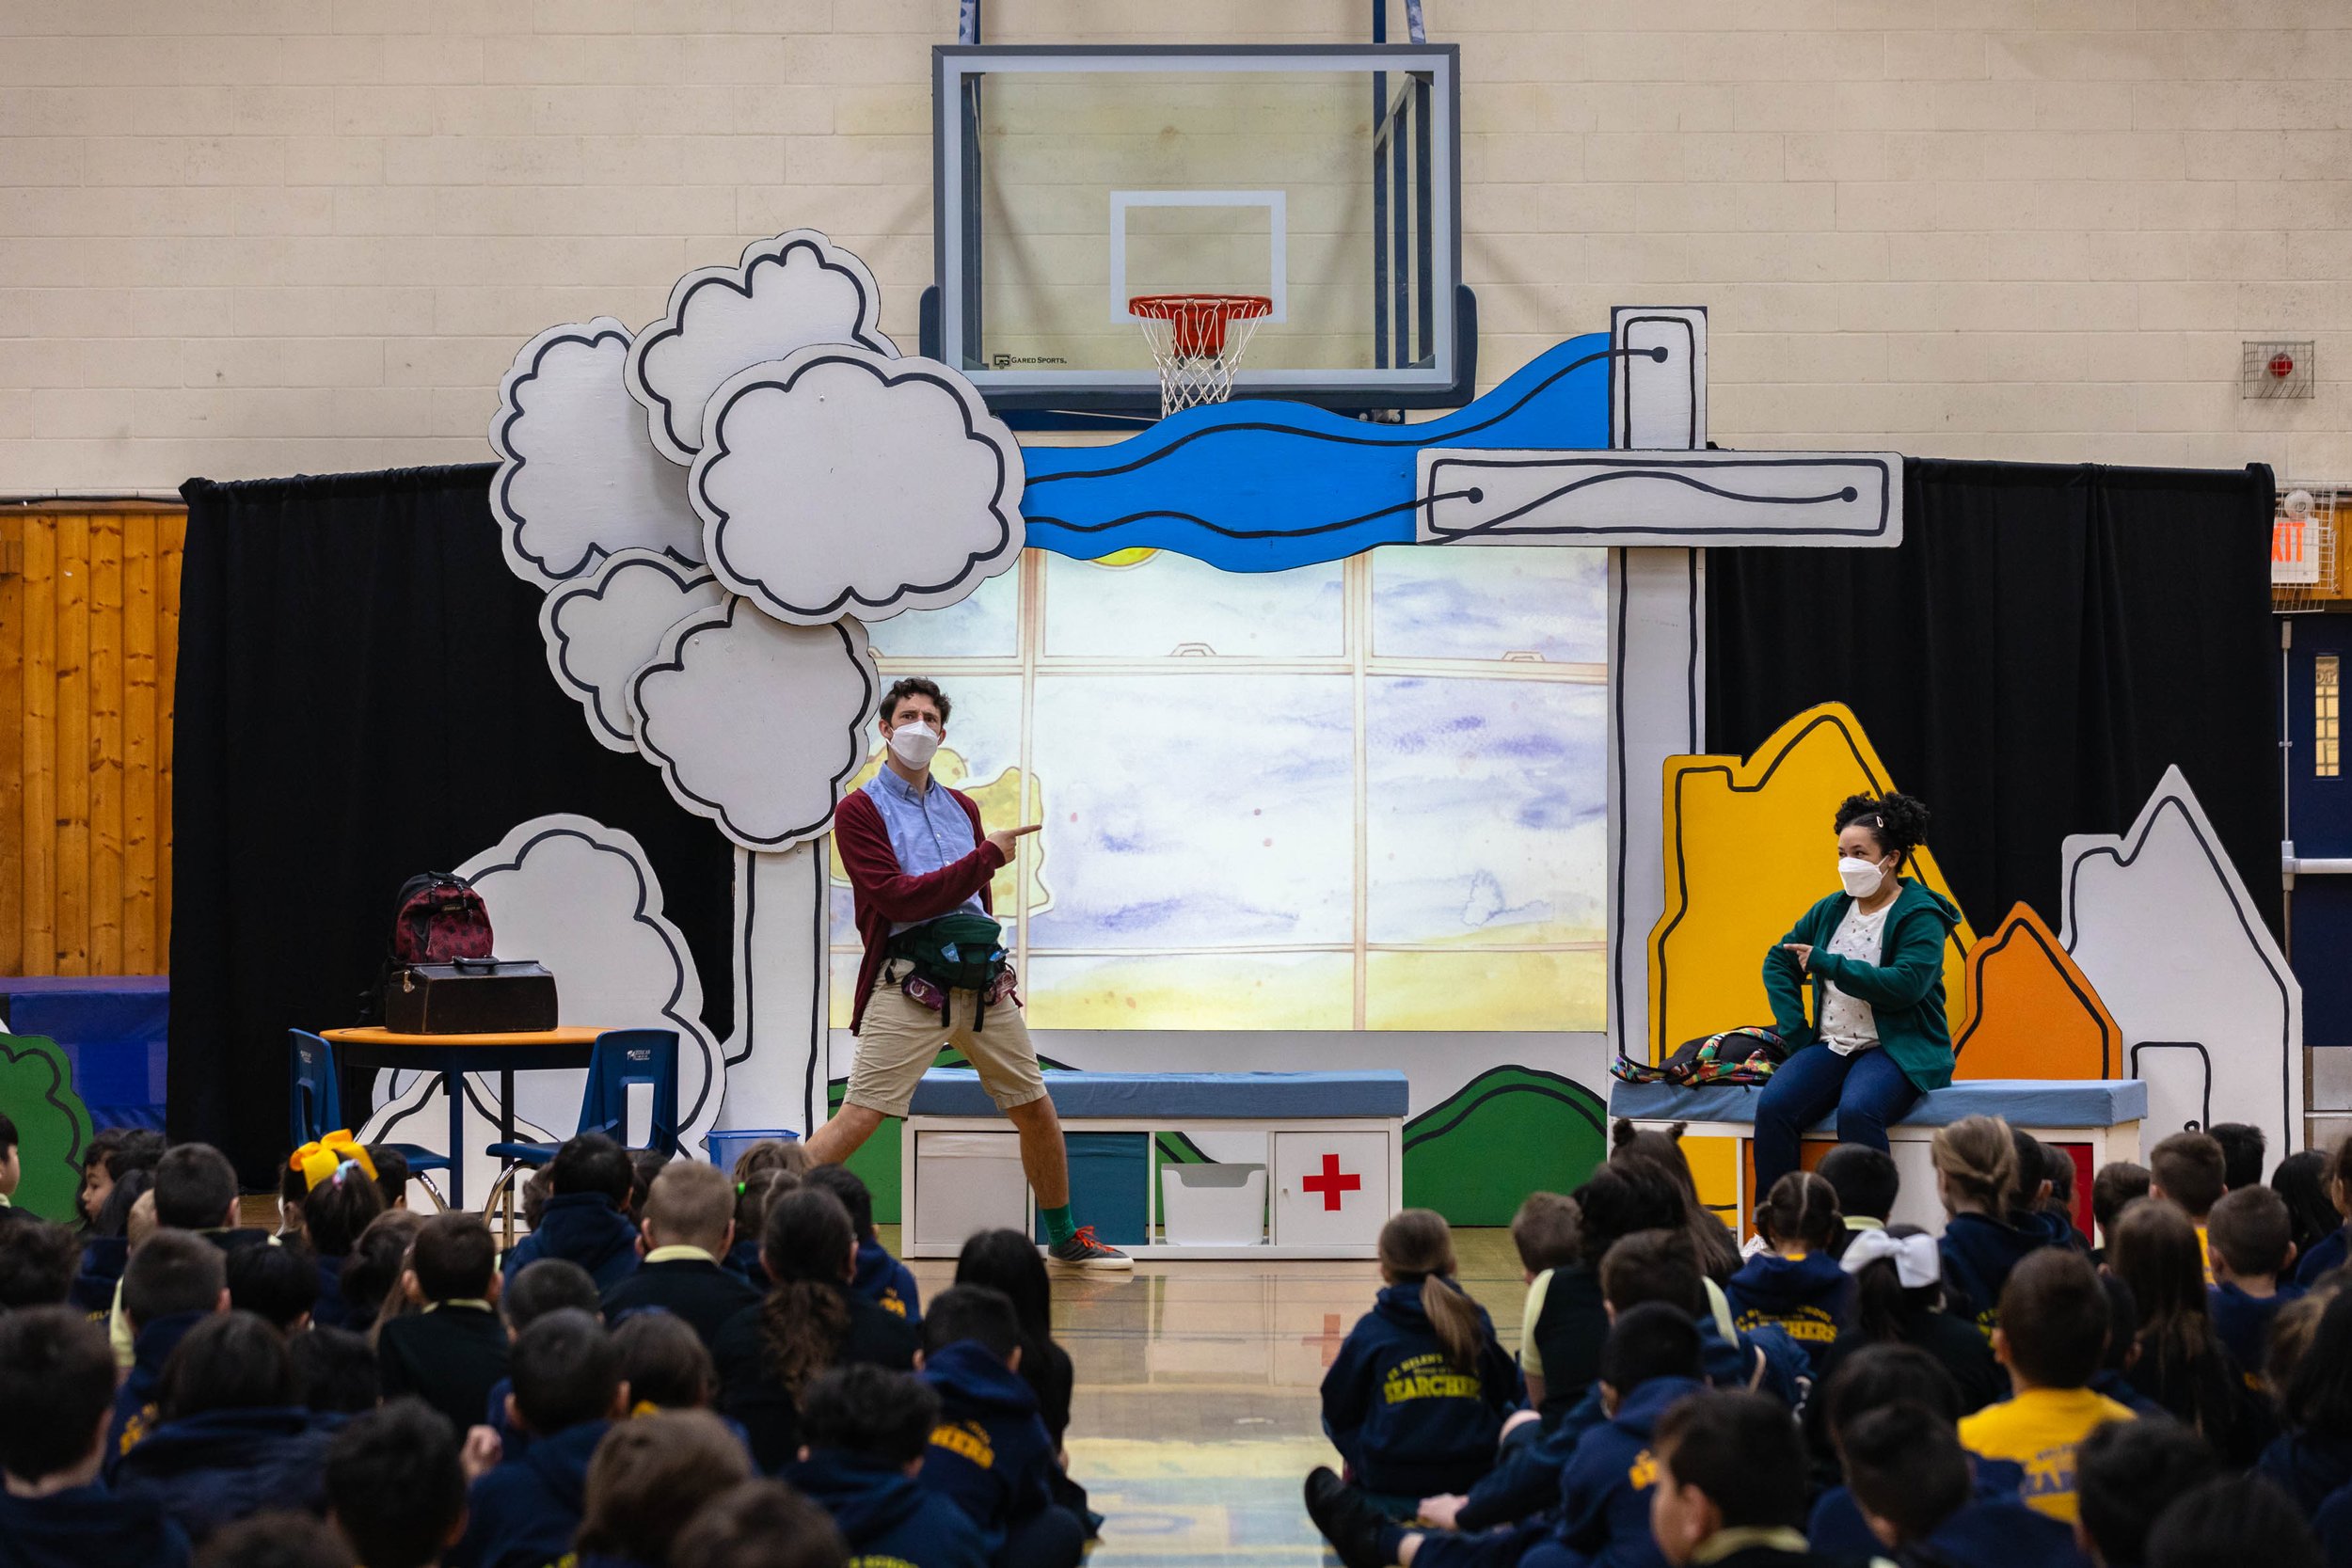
1332, 1183
1330, 1338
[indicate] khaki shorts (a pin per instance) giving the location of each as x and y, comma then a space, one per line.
900, 1040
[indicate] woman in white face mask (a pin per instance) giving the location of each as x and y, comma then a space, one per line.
1872, 955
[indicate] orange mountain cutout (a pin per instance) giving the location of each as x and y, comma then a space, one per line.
2032, 1013
1749, 847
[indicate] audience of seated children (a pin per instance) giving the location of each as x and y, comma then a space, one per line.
452, 1350
2052, 1330
586, 1219
2334, 1250
548, 1286
195, 1189
990, 1452
1718, 1248
395, 1486
278, 1284
371, 1276
1911, 1480
335, 1372
1795, 1284
2057, 1174
2182, 1364
2185, 1170
1415, 1398
2312, 1456
648, 1479
1975, 1180
1008, 1260
768, 1353
665, 1365
106, 1242
1867, 1185
337, 1210
1898, 1299
569, 1392
1730, 1490
1565, 1321
866, 1431
2243, 1150
2301, 1183
173, 1283
234, 1437
2231, 1523
2251, 1244
391, 1173
686, 1230
2117, 1184
57, 1391
1651, 1361
879, 1278
37, 1261
2115, 1366
760, 1524
2125, 1472
114, 1153
763, 1173
1876, 1378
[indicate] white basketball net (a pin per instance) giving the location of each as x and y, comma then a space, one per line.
1197, 340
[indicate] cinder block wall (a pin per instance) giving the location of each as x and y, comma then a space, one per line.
249, 237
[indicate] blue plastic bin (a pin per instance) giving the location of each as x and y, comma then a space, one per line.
727, 1146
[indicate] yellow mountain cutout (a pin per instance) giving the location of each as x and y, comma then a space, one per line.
1000, 805
2032, 1013
1750, 848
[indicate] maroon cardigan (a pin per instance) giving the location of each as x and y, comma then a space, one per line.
885, 894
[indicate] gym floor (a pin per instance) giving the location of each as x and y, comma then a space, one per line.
1197, 1415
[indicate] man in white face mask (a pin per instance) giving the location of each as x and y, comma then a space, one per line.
919, 865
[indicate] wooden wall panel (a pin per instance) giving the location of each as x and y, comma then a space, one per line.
89, 628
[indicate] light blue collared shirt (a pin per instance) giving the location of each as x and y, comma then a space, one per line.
928, 831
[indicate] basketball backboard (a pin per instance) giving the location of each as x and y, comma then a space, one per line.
1069, 179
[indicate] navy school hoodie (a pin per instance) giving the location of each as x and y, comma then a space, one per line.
587, 1229
1977, 1252
2307, 1467
888, 1517
103, 1259
1526, 1479
1997, 1534
1835, 1526
524, 1513
2331, 1251
330, 1311
221, 1465
1408, 1422
743, 1259
2243, 1321
134, 1401
1808, 1298
1605, 1489
85, 1525
990, 1452
886, 1282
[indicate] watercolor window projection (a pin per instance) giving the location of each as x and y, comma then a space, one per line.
1365, 795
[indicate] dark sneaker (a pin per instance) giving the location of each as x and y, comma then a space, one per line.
1082, 1251
1349, 1522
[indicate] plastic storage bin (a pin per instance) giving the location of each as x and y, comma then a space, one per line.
1213, 1205
727, 1146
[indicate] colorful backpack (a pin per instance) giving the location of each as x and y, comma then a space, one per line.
1745, 1055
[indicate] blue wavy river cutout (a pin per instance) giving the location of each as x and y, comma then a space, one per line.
1262, 485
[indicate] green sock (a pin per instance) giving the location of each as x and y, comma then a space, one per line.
1059, 1227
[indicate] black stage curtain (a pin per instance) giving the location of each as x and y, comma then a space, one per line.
363, 695
2044, 642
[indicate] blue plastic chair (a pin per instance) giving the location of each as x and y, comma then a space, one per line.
621, 1057
315, 1102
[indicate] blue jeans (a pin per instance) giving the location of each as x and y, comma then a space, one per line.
1867, 1089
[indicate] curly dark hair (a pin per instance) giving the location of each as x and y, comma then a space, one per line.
914, 685
1899, 822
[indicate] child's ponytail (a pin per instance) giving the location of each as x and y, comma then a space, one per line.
1417, 1248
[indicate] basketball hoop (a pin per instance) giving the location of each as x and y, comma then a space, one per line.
1198, 341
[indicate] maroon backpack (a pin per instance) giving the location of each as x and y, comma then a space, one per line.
439, 918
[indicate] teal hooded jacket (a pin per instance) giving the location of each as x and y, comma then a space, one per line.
1904, 989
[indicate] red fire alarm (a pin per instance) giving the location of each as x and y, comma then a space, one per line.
2281, 366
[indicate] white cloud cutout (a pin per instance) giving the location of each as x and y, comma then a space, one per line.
576, 480
755, 723
787, 292
604, 627
840, 482
582, 899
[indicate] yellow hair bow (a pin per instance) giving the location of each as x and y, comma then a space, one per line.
319, 1162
